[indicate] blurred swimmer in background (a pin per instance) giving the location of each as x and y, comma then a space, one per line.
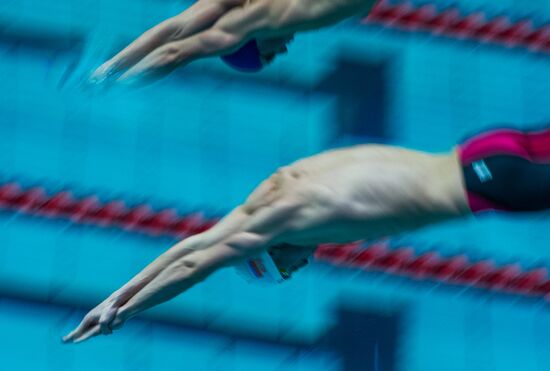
364, 192
247, 33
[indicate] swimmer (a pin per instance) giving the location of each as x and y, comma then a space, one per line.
359, 193
222, 27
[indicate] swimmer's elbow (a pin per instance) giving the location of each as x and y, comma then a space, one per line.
188, 270
195, 267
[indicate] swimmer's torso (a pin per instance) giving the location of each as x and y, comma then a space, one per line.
365, 192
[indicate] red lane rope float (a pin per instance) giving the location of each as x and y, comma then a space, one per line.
450, 22
457, 270
91, 211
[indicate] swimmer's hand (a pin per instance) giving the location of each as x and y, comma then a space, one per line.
110, 314
94, 323
178, 269
219, 27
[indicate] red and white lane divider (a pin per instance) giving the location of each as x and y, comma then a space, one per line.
90, 210
451, 23
430, 266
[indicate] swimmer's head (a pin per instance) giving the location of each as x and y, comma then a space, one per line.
256, 54
276, 265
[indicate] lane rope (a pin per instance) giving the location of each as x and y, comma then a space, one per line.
430, 266
90, 210
450, 22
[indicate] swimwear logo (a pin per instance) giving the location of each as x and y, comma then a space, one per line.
482, 171
257, 267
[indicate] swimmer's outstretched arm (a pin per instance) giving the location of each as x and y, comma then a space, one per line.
218, 27
240, 234
364, 192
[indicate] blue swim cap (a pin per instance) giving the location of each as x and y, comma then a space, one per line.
246, 59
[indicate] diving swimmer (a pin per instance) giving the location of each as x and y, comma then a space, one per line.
246, 33
364, 192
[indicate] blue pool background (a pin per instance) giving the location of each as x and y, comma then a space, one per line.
201, 140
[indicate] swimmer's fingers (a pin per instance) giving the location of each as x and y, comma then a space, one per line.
94, 331
154, 66
87, 323
133, 53
89, 330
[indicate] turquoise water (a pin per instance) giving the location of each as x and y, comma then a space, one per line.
201, 140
